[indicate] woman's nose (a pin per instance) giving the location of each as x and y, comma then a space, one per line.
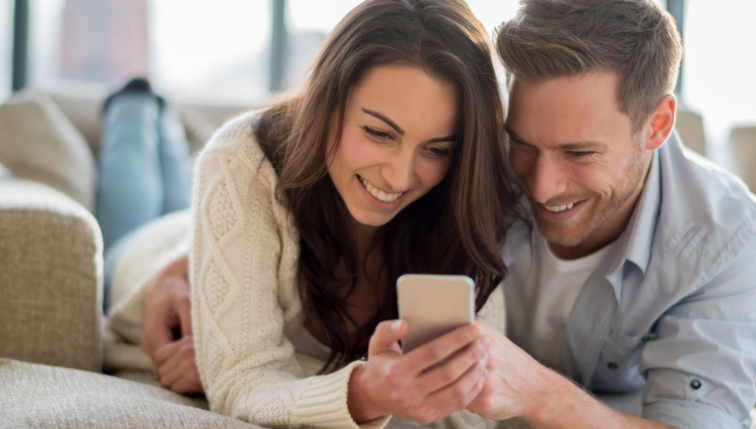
399, 171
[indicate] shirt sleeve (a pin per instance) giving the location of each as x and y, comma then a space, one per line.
702, 367
247, 365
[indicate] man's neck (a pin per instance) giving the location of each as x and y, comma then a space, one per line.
607, 232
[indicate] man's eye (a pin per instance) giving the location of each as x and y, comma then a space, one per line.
579, 154
377, 135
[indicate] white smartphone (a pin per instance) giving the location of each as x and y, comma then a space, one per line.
434, 305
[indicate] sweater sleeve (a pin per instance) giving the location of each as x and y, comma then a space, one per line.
247, 365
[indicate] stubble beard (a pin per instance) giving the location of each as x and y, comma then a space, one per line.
561, 234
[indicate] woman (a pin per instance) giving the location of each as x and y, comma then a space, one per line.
389, 162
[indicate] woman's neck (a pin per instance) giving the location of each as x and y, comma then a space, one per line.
364, 236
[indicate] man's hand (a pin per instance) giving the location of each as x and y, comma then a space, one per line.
515, 380
519, 386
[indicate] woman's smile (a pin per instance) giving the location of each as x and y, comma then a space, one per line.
377, 196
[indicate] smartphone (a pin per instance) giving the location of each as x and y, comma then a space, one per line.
434, 305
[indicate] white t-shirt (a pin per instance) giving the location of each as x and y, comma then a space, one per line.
552, 287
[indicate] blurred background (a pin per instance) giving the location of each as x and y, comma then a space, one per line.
241, 52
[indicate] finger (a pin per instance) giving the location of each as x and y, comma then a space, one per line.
386, 335
172, 376
156, 337
165, 352
184, 309
456, 367
436, 351
460, 393
187, 384
153, 340
183, 354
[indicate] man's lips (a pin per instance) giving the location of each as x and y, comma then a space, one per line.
565, 212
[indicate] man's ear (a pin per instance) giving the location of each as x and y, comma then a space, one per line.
662, 122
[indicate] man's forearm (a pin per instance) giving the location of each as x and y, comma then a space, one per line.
565, 405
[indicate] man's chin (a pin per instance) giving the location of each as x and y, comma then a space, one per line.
561, 235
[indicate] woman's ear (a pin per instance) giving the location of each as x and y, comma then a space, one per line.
662, 122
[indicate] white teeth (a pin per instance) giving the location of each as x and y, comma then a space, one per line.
557, 209
380, 195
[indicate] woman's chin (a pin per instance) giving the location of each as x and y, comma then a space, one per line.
372, 220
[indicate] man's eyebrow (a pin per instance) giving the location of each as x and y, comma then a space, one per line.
583, 146
572, 147
388, 121
513, 134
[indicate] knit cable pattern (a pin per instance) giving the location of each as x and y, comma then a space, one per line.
243, 265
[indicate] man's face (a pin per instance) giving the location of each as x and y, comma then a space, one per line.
574, 154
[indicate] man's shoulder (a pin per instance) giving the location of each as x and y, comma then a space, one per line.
707, 215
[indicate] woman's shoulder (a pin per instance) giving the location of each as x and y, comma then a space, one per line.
236, 143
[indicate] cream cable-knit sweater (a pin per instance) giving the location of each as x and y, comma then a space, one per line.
245, 302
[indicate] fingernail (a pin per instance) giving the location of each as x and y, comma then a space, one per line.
485, 341
484, 359
395, 326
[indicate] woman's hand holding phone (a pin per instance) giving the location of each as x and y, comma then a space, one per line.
424, 385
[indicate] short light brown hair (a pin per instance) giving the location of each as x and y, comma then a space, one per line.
635, 38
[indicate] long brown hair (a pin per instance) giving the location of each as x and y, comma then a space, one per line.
456, 228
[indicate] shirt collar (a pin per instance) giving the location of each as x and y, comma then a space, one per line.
634, 244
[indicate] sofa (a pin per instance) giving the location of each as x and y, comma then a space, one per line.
52, 328
58, 352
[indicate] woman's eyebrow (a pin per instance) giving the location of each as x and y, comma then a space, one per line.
388, 121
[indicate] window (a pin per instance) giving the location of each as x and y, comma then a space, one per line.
192, 50
309, 22
214, 51
6, 48
45, 26
719, 64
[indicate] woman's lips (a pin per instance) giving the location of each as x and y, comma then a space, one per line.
375, 202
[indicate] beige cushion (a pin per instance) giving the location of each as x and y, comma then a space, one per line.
50, 278
743, 140
82, 104
689, 126
41, 144
42, 396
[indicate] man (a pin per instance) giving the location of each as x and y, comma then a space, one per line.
638, 269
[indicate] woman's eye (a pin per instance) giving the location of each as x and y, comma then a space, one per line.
439, 152
377, 135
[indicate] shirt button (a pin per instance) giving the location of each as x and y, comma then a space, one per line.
612, 365
695, 384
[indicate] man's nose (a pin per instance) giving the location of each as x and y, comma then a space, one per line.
400, 169
546, 179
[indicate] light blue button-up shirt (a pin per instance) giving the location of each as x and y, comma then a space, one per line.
671, 308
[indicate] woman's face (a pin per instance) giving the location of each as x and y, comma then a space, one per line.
397, 140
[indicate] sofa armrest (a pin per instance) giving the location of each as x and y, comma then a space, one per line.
50, 278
